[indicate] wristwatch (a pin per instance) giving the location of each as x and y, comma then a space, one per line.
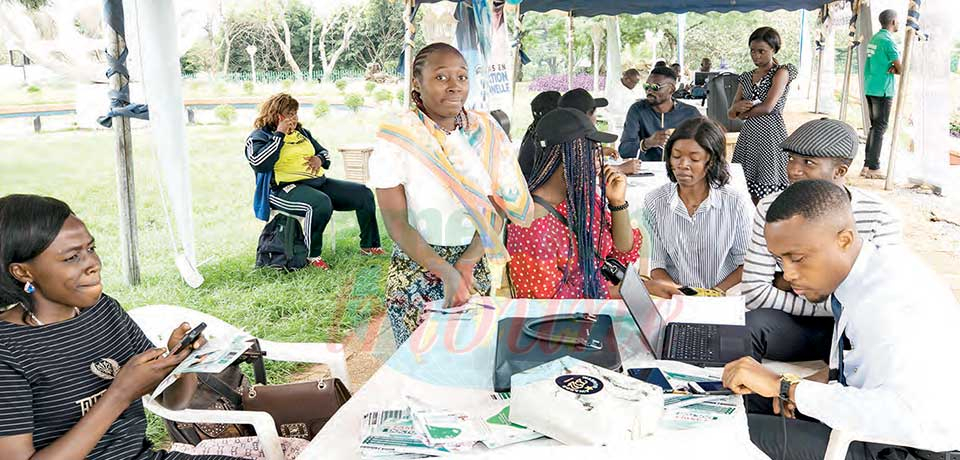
786, 381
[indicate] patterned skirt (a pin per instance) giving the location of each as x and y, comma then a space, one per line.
410, 287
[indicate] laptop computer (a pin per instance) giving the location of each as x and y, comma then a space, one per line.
707, 345
701, 78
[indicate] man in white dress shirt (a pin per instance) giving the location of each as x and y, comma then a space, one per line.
894, 345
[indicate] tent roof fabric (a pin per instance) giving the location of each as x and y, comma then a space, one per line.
614, 7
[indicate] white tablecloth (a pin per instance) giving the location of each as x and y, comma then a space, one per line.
449, 363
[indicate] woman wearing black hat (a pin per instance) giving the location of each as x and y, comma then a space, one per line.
559, 256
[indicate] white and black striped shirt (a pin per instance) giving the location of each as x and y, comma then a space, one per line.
48, 382
702, 250
875, 222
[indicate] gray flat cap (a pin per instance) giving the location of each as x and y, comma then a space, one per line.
823, 138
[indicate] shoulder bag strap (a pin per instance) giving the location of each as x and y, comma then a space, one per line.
552, 210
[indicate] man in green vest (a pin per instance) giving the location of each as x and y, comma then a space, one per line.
883, 62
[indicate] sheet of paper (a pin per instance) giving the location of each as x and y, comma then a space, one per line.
212, 358
502, 431
707, 310
702, 412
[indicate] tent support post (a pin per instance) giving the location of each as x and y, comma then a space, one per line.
866, 27
816, 101
126, 199
901, 96
569, 50
681, 39
848, 68
518, 26
407, 51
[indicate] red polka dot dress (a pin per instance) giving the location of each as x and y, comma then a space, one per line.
540, 255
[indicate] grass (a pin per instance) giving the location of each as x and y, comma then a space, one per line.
309, 305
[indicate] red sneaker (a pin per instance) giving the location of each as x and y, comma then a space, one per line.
372, 252
319, 263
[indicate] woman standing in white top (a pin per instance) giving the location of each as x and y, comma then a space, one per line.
445, 180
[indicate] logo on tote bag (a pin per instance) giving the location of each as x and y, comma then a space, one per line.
580, 384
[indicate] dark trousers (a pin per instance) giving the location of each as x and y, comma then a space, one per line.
316, 199
879, 108
807, 440
781, 336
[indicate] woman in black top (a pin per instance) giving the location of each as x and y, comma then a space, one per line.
73, 364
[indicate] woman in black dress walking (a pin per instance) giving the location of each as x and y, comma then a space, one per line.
760, 99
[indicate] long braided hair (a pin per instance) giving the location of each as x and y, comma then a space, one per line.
581, 176
419, 61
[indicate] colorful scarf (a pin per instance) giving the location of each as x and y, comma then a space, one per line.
447, 157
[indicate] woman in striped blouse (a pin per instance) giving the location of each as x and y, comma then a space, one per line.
73, 365
699, 226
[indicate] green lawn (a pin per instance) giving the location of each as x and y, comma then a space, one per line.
310, 305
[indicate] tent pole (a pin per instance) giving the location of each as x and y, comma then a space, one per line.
803, 33
517, 65
681, 39
901, 96
569, 50
848, 68
127, 203
866, 27
816, 102
407, 51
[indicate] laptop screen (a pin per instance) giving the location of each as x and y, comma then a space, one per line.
643, 311
700, 78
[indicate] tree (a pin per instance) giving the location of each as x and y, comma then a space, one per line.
276, 12
351, 16
232, 26
379, 37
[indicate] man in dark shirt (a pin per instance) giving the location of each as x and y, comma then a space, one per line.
650, 120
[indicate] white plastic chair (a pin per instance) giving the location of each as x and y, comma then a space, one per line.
157, 321
331, 225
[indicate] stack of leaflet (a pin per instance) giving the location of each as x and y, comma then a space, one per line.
688, 411
415, 431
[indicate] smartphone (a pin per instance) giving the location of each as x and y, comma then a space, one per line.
688, 290
188, 340
708, 388
651, 375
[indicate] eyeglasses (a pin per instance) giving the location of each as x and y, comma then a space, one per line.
652, 87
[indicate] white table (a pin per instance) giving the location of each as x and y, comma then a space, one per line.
454, 369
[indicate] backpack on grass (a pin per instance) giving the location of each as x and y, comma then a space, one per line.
282, 245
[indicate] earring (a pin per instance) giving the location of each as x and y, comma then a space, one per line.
29, 288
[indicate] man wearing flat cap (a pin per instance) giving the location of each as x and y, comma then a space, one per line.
785, 326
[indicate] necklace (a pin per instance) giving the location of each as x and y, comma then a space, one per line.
76, 313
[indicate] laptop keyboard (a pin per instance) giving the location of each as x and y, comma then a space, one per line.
692, 342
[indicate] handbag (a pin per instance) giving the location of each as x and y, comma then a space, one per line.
220, 391
299, 409
525, 343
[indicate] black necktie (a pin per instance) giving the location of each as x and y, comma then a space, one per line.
837, 309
